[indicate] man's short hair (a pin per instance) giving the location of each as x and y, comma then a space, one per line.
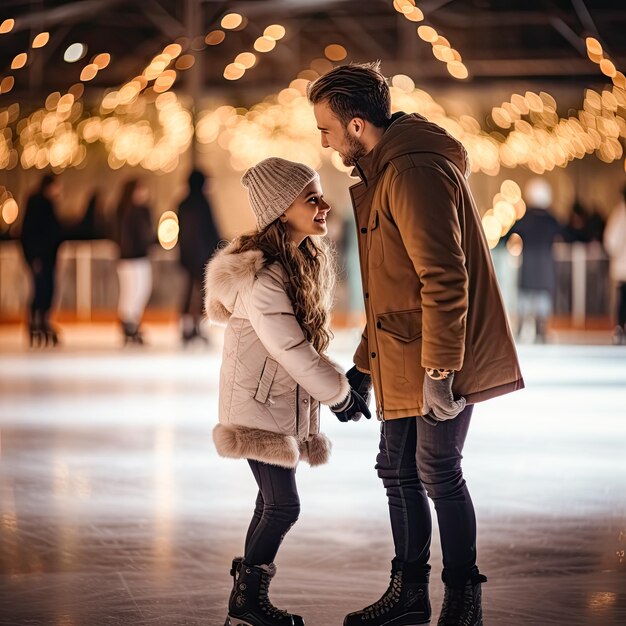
355, 90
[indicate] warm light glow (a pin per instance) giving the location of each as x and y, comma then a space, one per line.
275, 31
232, 21
185, 62
427, 33
215, 37
10, 210
19, 61
515, 245
593, 46
41, 40
173, 50
89, 72
246, 60
233, 72
263, 44
415, 15
75, 52
607, 67
102, 60
7, 26
335, 52
7, 84
457, 69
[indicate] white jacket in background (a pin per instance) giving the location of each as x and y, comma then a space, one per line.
615, 242
272, 379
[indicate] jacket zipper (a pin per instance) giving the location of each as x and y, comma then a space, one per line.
297, 410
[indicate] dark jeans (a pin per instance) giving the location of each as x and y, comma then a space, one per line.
43, 273
418, 461
276, 511
621, 305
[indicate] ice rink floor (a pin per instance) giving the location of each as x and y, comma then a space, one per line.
116, 510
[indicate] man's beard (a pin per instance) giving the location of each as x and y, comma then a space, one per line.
354, 150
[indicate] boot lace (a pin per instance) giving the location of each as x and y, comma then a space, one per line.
264, 601
388, 600
458, 606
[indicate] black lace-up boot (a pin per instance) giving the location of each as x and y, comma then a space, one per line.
405, 603
462, 604
250, 605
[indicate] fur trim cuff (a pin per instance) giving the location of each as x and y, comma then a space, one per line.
316, 451
239, 442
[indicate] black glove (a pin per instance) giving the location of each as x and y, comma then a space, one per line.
360, 382
351, 408
439, 401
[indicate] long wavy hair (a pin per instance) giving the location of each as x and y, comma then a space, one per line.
311, 269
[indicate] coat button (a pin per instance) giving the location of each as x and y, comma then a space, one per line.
305, 401
373, 355
364, 230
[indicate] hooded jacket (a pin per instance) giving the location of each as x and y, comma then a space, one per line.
272, 380
431, 294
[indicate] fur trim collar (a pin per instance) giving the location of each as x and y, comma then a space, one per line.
239, 442
225, 274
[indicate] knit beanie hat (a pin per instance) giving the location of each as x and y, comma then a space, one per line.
273, 185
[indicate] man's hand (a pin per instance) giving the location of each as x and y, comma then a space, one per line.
439, 401
360, 382
352, 408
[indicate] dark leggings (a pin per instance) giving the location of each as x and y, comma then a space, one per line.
276, 511
621, 304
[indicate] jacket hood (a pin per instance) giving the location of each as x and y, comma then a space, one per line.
224, 276
412, 134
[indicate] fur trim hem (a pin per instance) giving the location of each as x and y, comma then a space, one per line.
239, 442
316, 451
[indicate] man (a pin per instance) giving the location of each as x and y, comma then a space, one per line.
436, 340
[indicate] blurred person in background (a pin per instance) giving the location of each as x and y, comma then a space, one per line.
615, 246
135, 235
41, 236
538, 229
198, 238
436, 340
273, 290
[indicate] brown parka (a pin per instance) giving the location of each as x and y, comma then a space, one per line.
430, 290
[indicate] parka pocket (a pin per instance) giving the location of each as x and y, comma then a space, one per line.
403, 325
266, 379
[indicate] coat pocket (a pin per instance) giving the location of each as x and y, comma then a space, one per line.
375, 242
266, 379
403, 325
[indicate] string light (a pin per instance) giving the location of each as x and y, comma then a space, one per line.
7, 26
335, 52
19, 61
41, 40
75, 52
215, 37
232, 21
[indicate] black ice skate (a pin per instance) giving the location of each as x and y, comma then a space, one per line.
403, 604
249, 603
462, 606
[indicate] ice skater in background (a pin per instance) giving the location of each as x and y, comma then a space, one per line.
135, 235
436, 341
197, 239
615, 245
273, 290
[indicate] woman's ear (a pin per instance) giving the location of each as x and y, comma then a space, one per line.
283, 218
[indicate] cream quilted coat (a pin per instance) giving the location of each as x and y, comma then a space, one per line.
272, 380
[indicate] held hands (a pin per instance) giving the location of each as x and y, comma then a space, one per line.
439, 402
351, 408
360, 382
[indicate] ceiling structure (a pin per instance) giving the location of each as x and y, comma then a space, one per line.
498, 40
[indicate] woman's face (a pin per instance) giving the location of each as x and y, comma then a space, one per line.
307, 214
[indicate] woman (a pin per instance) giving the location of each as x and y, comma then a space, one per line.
135, 235
273, 289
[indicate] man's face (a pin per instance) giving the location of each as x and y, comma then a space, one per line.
343, 139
